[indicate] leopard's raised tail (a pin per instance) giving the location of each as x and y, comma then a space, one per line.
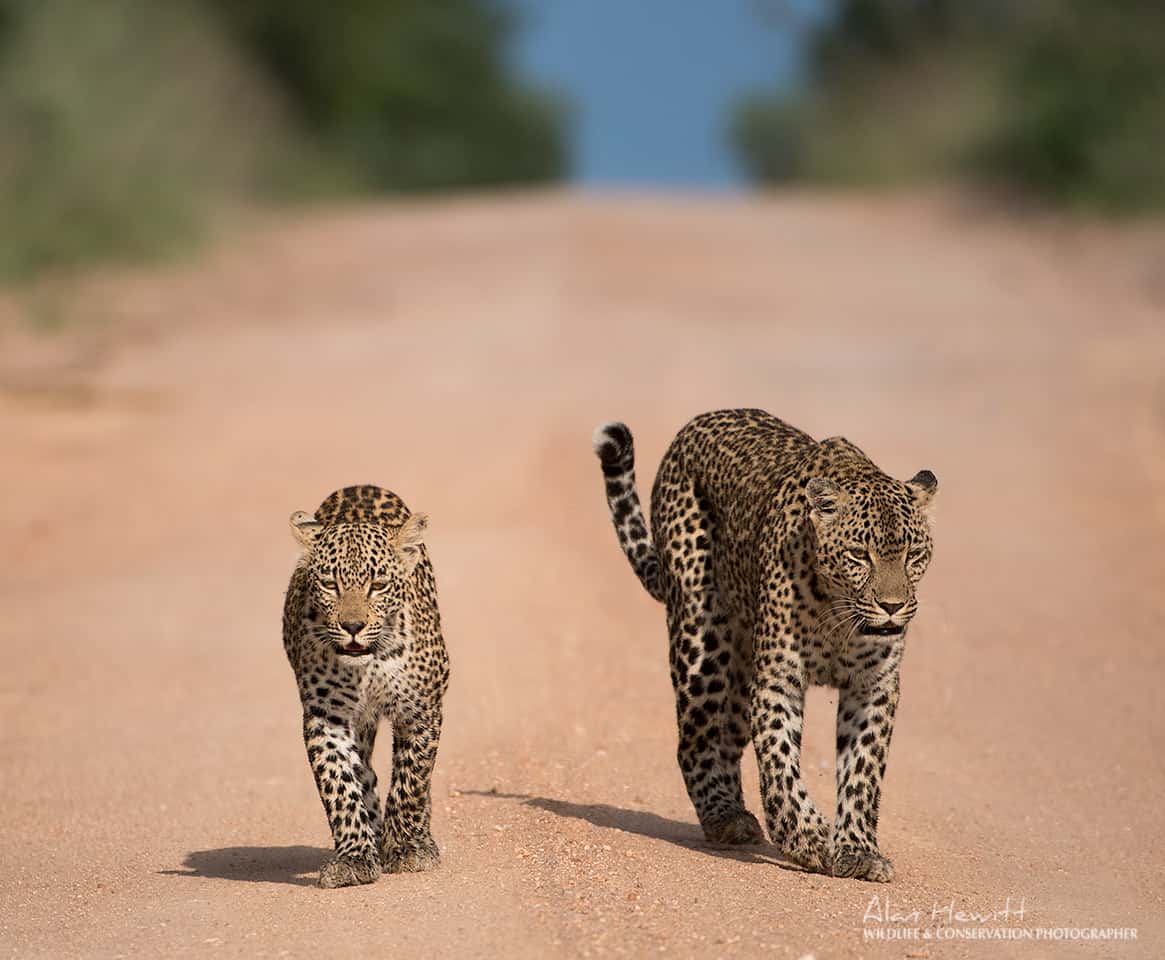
616, 453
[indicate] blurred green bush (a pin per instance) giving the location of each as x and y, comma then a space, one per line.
119, 122
1063, 99
413, 94
1086, 85
125, 125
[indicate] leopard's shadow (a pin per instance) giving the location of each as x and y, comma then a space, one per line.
297, 866
645, 824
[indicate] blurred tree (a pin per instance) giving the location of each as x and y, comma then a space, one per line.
767, 133
124, 124
415, 93
1065, 98
893, 91
121, 123
1087, 85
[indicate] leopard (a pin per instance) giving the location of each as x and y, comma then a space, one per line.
783, 563
362, 634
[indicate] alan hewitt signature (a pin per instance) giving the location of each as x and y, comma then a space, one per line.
884, 910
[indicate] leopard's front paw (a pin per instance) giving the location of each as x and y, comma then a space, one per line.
862, 863
738, 827
349, 871
810, 847
411, 858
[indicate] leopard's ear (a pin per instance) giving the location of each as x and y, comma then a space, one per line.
410, 538
824, 498
923, 486
305, 528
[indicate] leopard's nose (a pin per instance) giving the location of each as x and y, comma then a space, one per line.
891, 606
353, 626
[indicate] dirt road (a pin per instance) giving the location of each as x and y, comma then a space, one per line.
156, 799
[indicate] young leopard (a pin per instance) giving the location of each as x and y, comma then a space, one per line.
783, 562
362, 633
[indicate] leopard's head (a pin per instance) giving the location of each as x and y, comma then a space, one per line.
356, 576
873, 545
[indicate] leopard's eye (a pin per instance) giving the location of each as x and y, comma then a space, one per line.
859, 555
379, 586
330, 585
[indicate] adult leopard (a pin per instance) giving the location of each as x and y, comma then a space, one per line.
783, 562
363, 636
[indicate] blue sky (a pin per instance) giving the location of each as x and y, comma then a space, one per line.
652, 81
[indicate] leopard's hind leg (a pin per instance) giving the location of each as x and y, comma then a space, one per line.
705, 669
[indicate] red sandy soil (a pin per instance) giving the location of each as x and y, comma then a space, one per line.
156, 799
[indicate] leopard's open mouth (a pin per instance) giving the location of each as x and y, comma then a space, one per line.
881, 630
354, 649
